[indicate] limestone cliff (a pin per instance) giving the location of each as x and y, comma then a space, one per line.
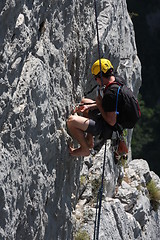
46, 51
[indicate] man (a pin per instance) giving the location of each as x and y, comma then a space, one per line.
97, 117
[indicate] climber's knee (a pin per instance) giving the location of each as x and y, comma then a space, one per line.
79, 122
71, 121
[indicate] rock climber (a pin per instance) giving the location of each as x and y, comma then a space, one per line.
91, 118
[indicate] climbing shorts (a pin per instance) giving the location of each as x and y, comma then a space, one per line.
98, 126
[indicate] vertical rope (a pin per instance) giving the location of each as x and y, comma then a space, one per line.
99, 53
100, 192
99, 201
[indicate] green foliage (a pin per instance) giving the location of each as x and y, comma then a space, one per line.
146, 137
82, 180
154, 194
143, 131
125, 133
133, 14
82, 235
123, 161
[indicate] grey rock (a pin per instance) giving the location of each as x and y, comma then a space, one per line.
128, 214
127, 195
141, 167
47, 49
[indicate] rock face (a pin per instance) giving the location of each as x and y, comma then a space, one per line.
129, 214
46, 52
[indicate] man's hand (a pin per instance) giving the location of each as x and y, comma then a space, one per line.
81, 108
85, 106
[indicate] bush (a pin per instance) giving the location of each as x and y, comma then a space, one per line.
154, 194
82, 235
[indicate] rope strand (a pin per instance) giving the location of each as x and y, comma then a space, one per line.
99, 200
99, 53
100, 192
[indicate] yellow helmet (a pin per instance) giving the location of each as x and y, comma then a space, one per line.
105, 66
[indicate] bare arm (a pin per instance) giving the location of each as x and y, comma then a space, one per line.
85, 105
109, 117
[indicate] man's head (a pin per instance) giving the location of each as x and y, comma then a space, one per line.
106, 67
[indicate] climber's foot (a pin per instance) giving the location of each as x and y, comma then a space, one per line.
77, 152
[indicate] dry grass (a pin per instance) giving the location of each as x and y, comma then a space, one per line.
81, 235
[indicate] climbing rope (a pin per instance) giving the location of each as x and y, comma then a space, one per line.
99, 52
99, 201
86, 93
100, 192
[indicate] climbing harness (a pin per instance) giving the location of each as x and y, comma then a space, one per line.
99, 201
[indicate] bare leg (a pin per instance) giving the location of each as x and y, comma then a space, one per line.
77, 125
89, 137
